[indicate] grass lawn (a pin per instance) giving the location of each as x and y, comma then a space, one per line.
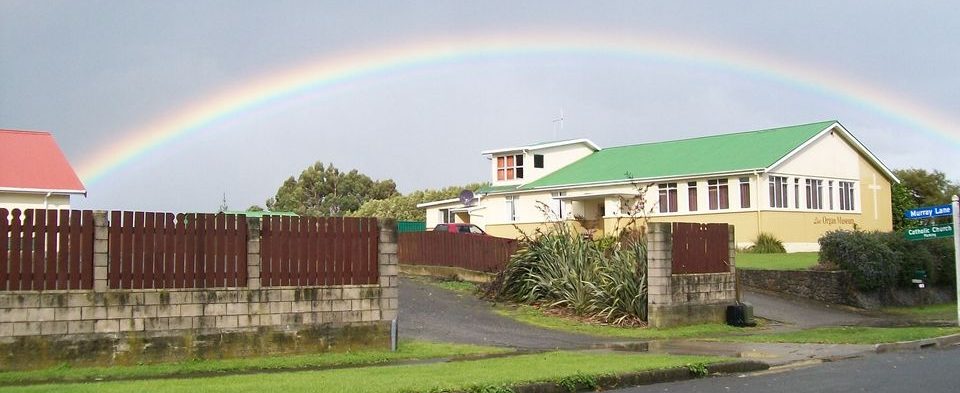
847, 335
791, 261
534, 316
407, 350
935, 312
453, 376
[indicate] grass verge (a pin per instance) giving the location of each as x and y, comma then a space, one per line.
935, 312
846, 335
407, 350
534, 316
478, 375
791, 261
461, 287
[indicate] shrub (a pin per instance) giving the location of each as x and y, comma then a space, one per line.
601, 279
864, 254
877, 260
767, 243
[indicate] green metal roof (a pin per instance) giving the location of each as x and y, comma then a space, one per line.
704, 155
488, 189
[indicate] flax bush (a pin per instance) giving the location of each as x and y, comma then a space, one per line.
598, 279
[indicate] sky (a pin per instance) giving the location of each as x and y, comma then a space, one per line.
169, 106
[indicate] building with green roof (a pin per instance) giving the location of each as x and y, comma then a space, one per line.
795, 182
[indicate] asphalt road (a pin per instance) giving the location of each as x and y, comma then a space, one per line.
929, 371
803, 314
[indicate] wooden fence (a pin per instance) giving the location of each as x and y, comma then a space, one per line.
46, 249
700, 248
54, 250
159, 250
472, 252
318, 251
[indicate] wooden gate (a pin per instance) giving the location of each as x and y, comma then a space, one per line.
700, 248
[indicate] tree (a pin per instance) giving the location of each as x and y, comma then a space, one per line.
255, 208
927, 188
404, 207
326, 191
919, 188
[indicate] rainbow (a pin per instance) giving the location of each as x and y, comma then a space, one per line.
339, 70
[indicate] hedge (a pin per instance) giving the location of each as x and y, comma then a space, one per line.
884, 259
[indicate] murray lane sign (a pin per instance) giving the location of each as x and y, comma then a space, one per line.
930, 232
928, 212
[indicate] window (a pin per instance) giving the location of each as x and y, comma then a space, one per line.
814, 194
830, 192
745, 192
718, 194
796, 193
445, 216
556, 204
668, 197
510, 167
538, 160
511, 208
778, 191
846, 195
692, 196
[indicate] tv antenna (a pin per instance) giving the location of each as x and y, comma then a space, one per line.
558, 125
223, 204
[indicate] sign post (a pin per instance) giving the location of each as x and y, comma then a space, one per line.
956, 250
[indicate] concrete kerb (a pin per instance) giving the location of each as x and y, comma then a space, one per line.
650, 377
916, 345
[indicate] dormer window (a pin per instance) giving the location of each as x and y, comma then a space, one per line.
510, 167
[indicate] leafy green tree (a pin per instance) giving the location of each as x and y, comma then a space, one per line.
255, 208
404, 207
927, 188
901, 201
326, 191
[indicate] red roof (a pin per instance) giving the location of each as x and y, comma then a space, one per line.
32, 161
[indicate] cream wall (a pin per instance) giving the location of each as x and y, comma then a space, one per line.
553, 158
22, 200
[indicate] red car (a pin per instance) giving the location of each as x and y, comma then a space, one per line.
459, 228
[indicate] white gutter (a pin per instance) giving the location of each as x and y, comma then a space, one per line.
41, 190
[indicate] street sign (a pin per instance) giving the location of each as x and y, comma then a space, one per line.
930, 232
928, 212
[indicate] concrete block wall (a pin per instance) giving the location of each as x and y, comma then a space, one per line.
108, 326
684, 299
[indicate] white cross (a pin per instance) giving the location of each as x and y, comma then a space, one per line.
875, 188
559, 121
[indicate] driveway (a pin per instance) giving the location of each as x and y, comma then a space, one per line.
800, 313
435, 314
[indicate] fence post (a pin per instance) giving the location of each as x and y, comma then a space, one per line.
253, 253
101, 246
388, 261
659, 263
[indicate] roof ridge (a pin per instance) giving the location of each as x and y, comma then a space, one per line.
24, 131
717, 135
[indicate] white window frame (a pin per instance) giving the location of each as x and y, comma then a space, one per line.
665, 191
556, 204
511, 205
814, 188
779, 194
848, 195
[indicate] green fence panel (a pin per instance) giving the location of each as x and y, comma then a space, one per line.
411, 226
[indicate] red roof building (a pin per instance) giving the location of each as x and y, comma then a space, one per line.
32, 166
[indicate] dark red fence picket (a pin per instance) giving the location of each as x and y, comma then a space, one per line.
301, 251
472, 252
160, 250
46, 249
700, 248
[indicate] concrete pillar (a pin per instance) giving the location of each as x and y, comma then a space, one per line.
253, 253
101, 247
659, 263
389, 268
